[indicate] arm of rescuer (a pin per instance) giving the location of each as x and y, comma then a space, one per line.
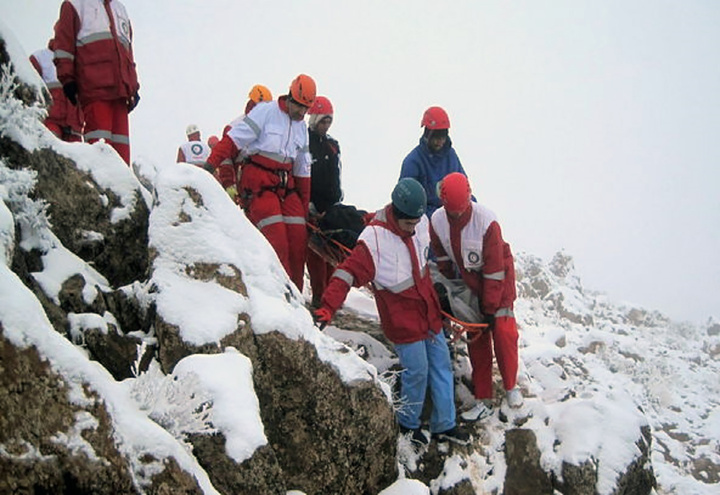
302, 166
221, 159
66, 30
493, 269
444, 263
180, 156
357, 270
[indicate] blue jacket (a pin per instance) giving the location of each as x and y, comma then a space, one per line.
430, 168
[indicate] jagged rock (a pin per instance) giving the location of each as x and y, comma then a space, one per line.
260, 474
39, 432
713, 329
579, 480
562, 264
639, 478
524, 474
323, 445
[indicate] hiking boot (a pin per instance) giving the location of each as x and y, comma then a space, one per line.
452, 435
514, 398
479, 411
416, 435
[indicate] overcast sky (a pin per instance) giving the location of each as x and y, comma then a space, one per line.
588, 126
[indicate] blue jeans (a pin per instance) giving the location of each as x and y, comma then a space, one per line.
427, 362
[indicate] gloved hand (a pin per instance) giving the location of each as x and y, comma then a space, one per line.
322, 317
490, 320
133, 102
232, 192
70, 89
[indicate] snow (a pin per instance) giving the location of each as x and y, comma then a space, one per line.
228, 379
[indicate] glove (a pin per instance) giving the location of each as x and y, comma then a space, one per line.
322, 317
490, 320
133, 102
70, 90
232, 192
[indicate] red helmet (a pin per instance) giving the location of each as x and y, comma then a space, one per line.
435, 118
212, 141
303, 90
455, 193
322, 106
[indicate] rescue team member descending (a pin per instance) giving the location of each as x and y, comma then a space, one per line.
275, 181
392, 252
467, 235
325, 190
64, 119
257, 94
94, 61
194, 150
434, 157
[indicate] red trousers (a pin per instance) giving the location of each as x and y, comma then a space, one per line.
320, 272
282, 221
108, 120
504, 339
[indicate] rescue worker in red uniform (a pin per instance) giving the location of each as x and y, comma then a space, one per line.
95, 64
257, 94
64, 119
392, 253
466, 237
271, 145
194, 150
325, 190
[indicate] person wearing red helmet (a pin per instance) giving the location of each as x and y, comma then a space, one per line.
434, 157
466, 237
325, 190
274, 178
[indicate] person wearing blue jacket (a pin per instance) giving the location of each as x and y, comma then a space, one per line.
433, 158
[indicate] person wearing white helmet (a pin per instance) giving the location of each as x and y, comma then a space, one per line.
194, 151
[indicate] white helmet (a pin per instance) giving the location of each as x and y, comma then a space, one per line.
191, 129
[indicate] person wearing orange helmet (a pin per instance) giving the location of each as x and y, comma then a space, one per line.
258, 94
274, 178
325, 190
434, 157
467, 239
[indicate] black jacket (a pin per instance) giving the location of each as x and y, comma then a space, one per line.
325, 188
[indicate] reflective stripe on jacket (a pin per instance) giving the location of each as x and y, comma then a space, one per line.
396, 263
474, 243
93, 47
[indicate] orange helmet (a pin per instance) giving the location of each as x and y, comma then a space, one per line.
455, 193
435, 118
260, 93
303, 89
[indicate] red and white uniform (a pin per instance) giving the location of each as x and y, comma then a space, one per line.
195, 152
396, 262
93, 48
64, 119
274, 185
473, 242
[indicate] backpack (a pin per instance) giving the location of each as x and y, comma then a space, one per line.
343, 223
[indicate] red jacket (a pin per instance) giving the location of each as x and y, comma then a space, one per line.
93, 47
396, 263
61, 111
474, 243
